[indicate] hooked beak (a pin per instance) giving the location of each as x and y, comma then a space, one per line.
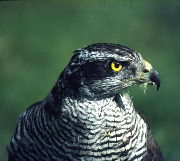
154, 77
150, 75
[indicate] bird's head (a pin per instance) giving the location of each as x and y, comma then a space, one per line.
104, 70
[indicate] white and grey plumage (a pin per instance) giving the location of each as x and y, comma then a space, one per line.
84, 118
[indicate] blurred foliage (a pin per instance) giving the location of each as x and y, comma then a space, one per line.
37, 39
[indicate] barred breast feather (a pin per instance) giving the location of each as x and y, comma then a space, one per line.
88, 130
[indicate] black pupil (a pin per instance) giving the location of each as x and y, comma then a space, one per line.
117, 65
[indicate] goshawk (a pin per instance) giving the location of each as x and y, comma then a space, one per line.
84, 117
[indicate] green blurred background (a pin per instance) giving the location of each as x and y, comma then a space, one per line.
37, 39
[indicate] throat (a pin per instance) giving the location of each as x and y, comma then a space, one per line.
101, 113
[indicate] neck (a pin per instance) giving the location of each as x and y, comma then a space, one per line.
104, 123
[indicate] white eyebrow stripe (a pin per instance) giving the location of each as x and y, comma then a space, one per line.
95, 55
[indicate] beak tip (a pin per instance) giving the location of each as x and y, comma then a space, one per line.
158, 87
158, 83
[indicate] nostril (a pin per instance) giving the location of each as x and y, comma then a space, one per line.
146, 71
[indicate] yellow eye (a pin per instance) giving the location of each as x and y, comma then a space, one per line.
116, 66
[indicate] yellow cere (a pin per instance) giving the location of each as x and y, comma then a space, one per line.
148, 66
116, 66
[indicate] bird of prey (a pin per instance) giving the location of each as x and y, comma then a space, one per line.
84, 117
